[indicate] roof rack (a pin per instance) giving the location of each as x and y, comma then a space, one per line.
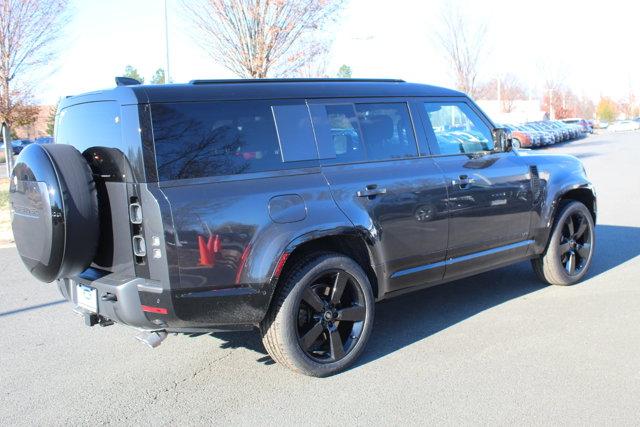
300, 80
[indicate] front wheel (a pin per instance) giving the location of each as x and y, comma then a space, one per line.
570, 249
321, 316
515, 143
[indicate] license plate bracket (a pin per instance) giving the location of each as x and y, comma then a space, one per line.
87, 297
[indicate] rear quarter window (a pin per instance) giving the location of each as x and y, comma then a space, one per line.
97, 130
205, 139
90, 125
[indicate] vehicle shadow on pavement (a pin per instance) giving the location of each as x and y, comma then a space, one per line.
32, 307
407, 319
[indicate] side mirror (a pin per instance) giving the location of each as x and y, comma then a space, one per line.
501, 140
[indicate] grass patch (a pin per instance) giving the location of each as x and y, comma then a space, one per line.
6, 236
4, 194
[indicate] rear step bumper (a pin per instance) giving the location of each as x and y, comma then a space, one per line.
118, 299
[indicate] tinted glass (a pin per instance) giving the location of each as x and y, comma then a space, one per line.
104, 134
345, 133
458, 128
370, 132
295, 133
90, 125
200, 139
387, 131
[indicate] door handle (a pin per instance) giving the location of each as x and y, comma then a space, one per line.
463, 181
371, 191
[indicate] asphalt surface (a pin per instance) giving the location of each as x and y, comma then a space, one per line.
495, 348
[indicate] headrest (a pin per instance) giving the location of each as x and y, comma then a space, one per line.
378, 126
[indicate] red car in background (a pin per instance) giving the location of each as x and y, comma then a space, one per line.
520, 139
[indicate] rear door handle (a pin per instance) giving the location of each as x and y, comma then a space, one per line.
371, 191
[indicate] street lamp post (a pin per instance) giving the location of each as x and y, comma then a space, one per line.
8, 148
167, 77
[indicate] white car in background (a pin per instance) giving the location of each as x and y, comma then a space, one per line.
624, 125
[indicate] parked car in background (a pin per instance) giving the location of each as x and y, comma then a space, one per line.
578, 130
547, 136
571, 131
557, 133
44, 140
584, 124
521, 139
624, 126
18, 145
21, 143
536, 135
566, 132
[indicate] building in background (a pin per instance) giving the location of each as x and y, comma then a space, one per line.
520, 110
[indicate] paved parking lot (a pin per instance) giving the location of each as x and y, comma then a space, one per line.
496, 348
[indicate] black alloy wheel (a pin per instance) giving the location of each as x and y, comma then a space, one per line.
570, 248
321, 315
331, 315
575, 243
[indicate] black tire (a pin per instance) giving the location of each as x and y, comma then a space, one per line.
55, 218
571, 246
304, 338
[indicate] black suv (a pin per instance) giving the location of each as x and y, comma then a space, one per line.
285, 205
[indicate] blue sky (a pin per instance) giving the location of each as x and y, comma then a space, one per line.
592, 46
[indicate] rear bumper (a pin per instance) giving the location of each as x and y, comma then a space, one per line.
118, 300
144, 304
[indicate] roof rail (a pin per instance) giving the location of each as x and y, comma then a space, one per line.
297, 80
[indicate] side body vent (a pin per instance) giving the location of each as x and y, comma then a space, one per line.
535, 183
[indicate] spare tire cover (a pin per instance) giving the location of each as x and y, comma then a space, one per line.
54, 208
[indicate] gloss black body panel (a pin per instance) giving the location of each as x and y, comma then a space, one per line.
228, 244
559, 175
221, 238
493, 210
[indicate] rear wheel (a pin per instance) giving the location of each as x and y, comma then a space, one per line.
570, 248
321, 316
515, 143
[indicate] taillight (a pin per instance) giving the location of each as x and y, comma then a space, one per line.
138, 243
157, 310
135, 213
139, 246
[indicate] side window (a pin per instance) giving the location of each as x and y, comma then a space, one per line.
387, 131
345, 133
295, 133
201, 139
370, 132
458, 128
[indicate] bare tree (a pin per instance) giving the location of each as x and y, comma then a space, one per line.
505, 88
463, 43
260, 38
28, 32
